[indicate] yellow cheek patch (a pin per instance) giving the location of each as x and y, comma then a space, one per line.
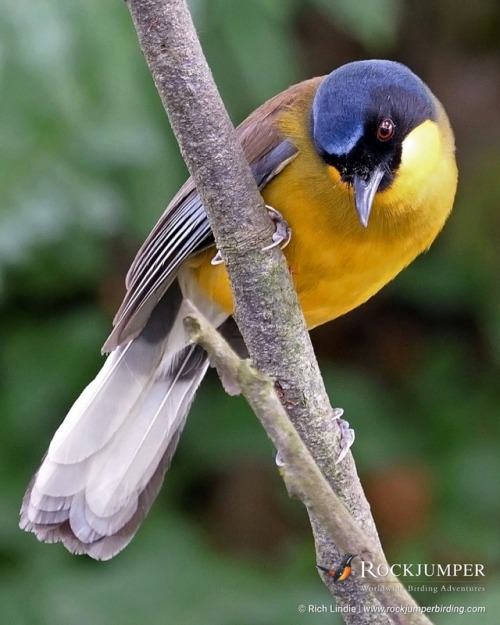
422, 151
415, 180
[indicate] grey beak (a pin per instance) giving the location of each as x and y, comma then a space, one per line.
364, 193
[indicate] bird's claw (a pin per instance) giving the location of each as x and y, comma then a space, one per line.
347, 437
280, 462
347, 434
217, 259
281, 236
282, 233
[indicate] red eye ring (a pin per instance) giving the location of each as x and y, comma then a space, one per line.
386, 129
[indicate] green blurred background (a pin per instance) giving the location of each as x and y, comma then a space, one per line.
87, 164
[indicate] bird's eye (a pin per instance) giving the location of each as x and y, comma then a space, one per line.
385, 129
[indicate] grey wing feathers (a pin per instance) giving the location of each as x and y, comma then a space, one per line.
184, 229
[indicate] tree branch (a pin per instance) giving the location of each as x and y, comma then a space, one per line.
266, 306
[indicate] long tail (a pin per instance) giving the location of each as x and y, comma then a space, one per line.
106, 462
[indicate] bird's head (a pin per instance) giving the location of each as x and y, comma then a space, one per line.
375, 124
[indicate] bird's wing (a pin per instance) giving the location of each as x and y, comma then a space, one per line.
183, 229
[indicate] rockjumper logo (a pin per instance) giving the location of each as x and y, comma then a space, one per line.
341, 572
436, 571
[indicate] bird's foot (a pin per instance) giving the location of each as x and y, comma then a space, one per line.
347, 434
282, 232
281, 236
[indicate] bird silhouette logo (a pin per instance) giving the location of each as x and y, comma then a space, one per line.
343, 571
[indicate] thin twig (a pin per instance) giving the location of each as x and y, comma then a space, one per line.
301, 474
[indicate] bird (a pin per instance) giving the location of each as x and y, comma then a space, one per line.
343, 571
360, 166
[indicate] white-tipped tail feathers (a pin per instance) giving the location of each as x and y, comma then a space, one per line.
106, 462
